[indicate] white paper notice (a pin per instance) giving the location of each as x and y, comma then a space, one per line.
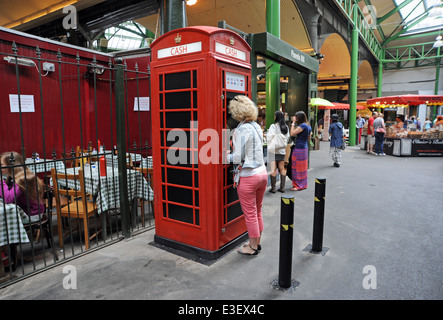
143, 104
235, 81
26, 103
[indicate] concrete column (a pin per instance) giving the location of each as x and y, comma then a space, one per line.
173, 15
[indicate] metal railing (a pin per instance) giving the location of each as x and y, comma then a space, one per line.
69, 111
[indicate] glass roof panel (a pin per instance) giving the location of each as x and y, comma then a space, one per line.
422, 15
121, 39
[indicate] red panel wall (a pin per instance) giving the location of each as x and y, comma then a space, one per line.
71, 108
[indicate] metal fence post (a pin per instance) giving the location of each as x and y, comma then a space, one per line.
286, 237
121, 146
319, 214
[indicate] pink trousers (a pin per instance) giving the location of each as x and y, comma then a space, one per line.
251, 191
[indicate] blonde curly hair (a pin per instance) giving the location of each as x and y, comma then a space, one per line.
242, 108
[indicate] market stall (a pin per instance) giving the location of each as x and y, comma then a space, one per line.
403, 138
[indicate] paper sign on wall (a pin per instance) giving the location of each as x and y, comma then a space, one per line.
235, 81
26, 103
143, 103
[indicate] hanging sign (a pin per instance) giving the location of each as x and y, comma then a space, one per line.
179, 50
229, 51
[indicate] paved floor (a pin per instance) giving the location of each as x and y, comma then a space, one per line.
383, 231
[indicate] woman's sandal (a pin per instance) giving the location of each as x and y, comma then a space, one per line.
247, 253
297, 189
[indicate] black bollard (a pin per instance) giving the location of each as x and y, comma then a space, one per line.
286, 236
319, 214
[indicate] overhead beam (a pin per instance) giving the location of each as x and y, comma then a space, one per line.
393, 11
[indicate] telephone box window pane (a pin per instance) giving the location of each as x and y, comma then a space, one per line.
180, 195
161, 120
178, 100
180, 158
232, 195
161, 82
194, 79
161, 101
234, 211
178, 119
180, 213
181, 177
194, 94
178, 139
196, 179
181, 80
197, 200
197, 217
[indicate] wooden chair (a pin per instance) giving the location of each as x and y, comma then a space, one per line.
78, 208
148, 174
80, 156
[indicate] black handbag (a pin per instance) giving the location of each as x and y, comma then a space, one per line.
289, 165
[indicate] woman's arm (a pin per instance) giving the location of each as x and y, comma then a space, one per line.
239, 143
294, 130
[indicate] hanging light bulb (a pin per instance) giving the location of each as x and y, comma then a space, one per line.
438, 43
191, 2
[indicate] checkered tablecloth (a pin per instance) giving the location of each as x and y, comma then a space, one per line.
112, 160
147, 162
39, 166
106, 188
13, 230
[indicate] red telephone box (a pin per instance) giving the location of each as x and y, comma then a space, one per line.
196, 71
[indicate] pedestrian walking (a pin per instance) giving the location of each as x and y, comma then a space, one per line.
336, 144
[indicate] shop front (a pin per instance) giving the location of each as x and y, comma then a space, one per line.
415, 144
404, 135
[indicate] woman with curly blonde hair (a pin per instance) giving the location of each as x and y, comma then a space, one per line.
248, 154
22, 187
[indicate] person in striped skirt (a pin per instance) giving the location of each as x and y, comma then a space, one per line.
302, 130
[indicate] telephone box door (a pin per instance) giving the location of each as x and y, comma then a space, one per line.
178, 186
233, 81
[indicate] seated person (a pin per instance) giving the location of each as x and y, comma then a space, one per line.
26, 192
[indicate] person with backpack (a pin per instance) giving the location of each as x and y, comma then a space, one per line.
336, 144
277, 138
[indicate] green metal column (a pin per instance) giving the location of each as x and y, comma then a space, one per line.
353, 87
380, 79
273, 69
437, 82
